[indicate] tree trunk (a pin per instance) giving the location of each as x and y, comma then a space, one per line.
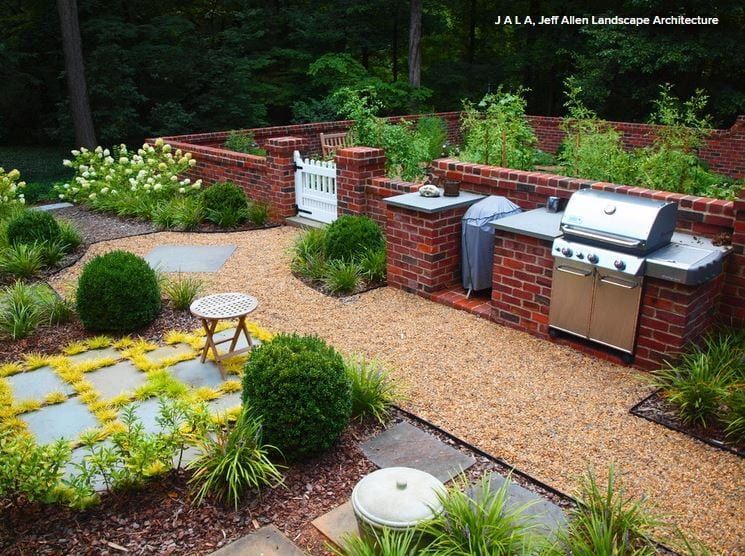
415, 44
394, 54
85, 135
471, 54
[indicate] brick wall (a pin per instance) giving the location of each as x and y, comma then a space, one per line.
733, 296
521, 277
423, 249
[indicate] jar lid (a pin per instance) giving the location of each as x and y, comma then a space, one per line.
397, 497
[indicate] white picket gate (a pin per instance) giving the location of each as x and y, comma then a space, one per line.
315, 188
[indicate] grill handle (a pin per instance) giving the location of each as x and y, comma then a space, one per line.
619, 283
574, 271
601, 237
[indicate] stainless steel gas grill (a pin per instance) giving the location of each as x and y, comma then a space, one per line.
610, 242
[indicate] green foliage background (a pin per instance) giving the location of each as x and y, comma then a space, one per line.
170, 67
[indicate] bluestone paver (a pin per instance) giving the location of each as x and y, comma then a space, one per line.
34, 385
404, 445
147, 413
197, 374
124, 377
52, 206
189, 258
225, 402
267, 541
240, 344
93, 354
65, 420
166, 352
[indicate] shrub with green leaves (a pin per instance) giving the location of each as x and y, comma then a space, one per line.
432, 132
373, 265
497, 131
182, 290
23, 307
11, 189
225, 204
117, 292
21, 260
349, 237
373, 391
299, 387
33, 226
341, 277
258, 213
734, 416
243, 142
233, 462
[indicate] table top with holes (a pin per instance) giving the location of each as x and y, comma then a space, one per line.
224, 305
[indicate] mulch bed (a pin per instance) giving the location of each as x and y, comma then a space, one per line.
161, 519
657, 409
362, 287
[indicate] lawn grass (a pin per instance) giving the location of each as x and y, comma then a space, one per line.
40, 168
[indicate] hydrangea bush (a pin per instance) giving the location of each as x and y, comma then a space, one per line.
11, 188
110, 179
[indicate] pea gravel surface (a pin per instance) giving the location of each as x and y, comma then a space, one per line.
544, 408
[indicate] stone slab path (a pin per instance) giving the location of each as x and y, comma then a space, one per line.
189, 258
545, 408
267, 541
52, 206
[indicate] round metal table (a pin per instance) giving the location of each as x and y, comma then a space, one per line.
221, 306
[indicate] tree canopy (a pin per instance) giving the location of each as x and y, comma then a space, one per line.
199, 65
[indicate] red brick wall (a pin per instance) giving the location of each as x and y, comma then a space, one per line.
280, 175
733, 295
423, 249
521, 277
382, 188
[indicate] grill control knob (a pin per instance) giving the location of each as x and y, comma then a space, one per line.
593, 258
580, 256
619, 264
566, 251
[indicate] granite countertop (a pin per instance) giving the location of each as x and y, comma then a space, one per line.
414, 201
538, 223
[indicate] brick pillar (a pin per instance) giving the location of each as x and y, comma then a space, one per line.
733, 297
280, 175
355, 167
423, 249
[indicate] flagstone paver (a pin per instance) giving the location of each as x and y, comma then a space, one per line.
93, 354
34, 385
189, 258
52, 206
267, 541
65, 420
240, 344
197, 374
338, 523
147, 413
225, 402
121, 378
404, 445
166, 352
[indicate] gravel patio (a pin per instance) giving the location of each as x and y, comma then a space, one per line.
547, 409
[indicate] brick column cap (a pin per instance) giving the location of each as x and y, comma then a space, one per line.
360, 153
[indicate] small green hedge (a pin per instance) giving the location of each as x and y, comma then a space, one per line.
224, 196
33, 226
349, 237
299, 387
117, 292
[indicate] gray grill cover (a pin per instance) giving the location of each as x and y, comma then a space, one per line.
477, 242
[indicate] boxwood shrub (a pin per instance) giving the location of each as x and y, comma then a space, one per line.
33, 226
117, 292
298, 385
225, 204
348, 237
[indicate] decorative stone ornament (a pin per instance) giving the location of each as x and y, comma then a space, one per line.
429, 190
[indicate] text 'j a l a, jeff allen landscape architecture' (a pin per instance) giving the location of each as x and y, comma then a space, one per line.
358, 324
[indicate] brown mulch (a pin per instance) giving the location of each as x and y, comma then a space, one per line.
161, 518
657, 409
48, 339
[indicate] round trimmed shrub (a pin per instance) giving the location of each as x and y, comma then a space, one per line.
223, 197
33, 226
299, 387
349, 237
117, 292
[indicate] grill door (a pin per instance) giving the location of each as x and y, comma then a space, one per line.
615, 310
571, 297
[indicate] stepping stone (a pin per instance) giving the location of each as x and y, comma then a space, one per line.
34, 385
189, 258
197, 374
52, 206
337, 524
147, 413
65, 420
121, 378
267, 541
166, 352
240, 344
93, 354
404, 445
547, 517
225, 402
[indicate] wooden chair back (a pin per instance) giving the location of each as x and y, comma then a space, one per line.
331, 142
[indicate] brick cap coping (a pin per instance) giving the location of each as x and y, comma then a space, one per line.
415, 201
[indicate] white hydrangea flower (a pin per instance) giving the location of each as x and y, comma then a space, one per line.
123, 160
104, 190
67, 163
75, 152
166, 148
106, 152
174, 178
162, 167
159, 142
192, 162
92, 196
181, 190
99, 149
86, 174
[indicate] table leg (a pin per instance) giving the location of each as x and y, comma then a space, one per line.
209, 341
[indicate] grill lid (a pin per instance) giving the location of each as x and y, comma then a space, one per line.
617, 221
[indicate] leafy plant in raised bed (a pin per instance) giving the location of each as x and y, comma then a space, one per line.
117, 292
243, 142
349, 236
23, 307
233, 462
373, 391
33, 227
497, 131
299, 387
341, 276
225, 204
22, 261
